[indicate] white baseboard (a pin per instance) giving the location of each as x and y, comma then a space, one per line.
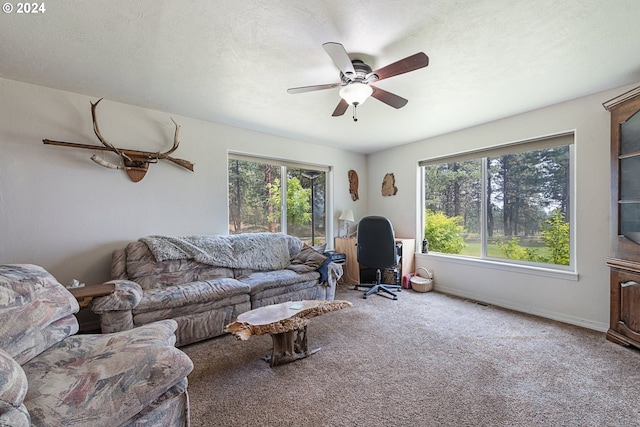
560, 317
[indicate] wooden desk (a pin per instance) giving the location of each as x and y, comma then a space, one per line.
351, 268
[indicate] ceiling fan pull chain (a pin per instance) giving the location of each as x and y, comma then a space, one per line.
355, 118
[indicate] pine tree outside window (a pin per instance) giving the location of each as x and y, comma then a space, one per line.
267, 195
508, 204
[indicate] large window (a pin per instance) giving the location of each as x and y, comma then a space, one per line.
511, 203
277, 196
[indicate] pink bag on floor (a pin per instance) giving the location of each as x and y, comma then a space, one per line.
406, 280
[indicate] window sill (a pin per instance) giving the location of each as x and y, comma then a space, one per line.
497, 265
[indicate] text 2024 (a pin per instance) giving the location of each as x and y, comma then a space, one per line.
30, 8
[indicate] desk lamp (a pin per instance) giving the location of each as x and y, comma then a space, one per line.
346, 216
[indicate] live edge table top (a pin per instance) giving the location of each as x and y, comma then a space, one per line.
287, 324
283, 317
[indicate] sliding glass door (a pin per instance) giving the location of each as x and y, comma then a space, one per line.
267, 195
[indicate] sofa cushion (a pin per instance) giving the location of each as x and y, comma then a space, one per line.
79, 380
142, 268
36, 311
262, 280
190, 293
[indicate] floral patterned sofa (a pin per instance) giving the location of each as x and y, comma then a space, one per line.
51, 377
205, 282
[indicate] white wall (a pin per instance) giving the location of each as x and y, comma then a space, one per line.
61, 211
584, 301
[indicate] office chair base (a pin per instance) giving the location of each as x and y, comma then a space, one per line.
380, 289
376, 288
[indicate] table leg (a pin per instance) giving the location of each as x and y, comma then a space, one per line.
289, 346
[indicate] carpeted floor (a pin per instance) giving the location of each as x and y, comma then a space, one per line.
423, 360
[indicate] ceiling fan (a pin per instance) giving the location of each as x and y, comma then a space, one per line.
356, 79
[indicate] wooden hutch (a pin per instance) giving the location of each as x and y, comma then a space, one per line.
624, 262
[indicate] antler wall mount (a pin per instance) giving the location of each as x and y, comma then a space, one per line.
134, 162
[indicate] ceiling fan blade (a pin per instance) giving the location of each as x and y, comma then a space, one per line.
388, 98
410, 63
312, 88
339, 57
341, 108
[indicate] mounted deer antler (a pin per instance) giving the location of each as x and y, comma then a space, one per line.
96, 130
136, 163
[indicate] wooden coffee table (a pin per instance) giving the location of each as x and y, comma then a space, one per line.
286, 323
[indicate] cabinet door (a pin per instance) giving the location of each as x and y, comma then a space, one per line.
625, 298
629, 184
625, 184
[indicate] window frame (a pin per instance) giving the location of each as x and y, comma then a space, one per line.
284, 164
506, 264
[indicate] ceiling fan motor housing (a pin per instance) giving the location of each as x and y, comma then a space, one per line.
362, 71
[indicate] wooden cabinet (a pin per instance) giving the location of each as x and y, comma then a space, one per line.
351, 268
624, 261
625, 307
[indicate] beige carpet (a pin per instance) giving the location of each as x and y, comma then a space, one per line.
423, 360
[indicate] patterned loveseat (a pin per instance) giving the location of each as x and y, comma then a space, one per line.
51, 377
205, 282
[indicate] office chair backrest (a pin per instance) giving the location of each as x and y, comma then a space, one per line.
376, 242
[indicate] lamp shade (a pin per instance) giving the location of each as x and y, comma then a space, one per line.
356, 93
346, 215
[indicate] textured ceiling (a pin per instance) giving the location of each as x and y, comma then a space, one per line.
231, 61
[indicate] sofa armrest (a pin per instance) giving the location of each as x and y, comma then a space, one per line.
13, 389
115, 309
126, 296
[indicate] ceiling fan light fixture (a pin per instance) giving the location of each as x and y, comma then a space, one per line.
356, 93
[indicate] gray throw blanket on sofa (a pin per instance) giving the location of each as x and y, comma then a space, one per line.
256, 251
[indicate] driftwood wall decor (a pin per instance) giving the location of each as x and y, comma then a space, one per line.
353, 184
389, 185
134, 162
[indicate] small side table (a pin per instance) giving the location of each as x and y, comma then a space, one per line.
85, 294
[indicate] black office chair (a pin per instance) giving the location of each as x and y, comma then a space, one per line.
377, 250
